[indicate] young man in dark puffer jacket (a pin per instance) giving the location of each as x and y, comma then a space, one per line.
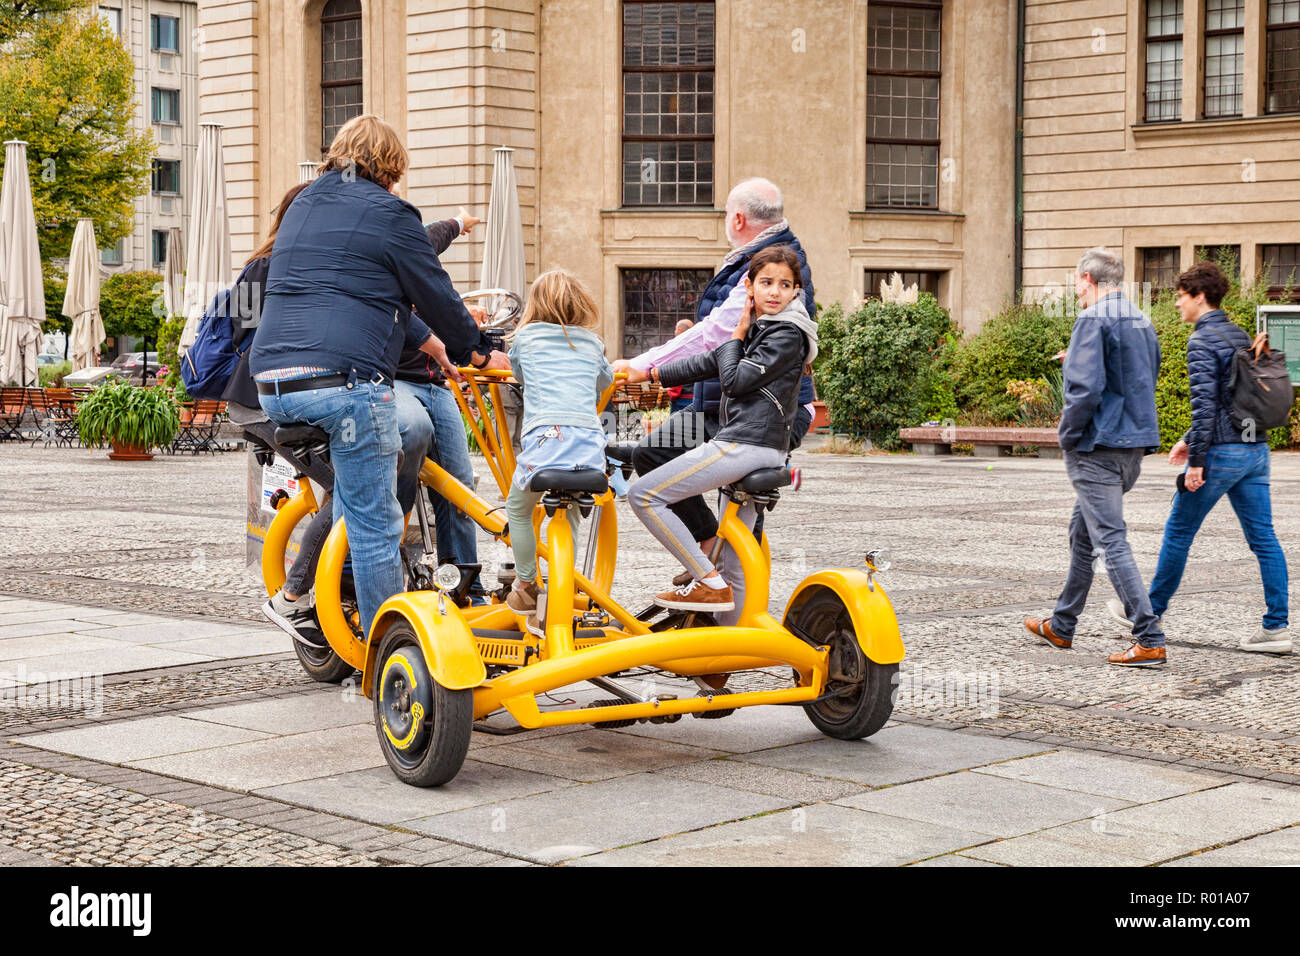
1221, 460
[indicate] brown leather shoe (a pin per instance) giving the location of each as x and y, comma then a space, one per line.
1044, 630
522, 599
1139, 656
697, 597
683, 579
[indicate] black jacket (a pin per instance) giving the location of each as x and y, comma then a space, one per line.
760, 382
414, 365
1209, 367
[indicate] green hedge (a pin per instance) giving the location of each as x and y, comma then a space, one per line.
1017, 344
886, 366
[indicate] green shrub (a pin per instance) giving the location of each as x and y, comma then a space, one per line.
885, 367
125, 414
51, 376
1017, 344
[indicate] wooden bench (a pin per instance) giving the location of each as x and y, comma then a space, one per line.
988, 442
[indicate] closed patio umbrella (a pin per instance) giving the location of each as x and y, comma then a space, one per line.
174, 274
307, 171
81, 300
207, 263
503, 245
24, 309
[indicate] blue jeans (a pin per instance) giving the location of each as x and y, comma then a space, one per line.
1241, 472
1101, 478
364, 442
457, 541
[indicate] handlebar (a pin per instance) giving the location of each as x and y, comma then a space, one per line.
505, 313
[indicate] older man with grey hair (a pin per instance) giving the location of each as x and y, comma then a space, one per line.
1108, 425
755, 219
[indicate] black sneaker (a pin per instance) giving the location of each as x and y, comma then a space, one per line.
295, 618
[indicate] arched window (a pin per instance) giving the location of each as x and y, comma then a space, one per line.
340, 66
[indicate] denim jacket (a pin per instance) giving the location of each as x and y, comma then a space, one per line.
1110, 379
562, 378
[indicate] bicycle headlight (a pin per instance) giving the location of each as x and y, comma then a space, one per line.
879, 560
447, 577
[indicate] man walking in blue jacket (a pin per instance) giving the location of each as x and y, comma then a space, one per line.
1108, 425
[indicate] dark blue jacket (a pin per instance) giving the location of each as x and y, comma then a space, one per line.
708, 394
349, 260
1209, 367
1110, 379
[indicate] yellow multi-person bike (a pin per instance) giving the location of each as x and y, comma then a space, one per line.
437, 667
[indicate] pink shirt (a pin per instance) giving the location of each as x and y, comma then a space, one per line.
704, 336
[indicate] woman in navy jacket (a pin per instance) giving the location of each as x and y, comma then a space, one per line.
349, 260
1221, 460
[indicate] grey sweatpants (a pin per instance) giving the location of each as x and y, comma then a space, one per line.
700, 470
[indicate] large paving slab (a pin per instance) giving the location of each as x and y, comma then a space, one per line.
591, 755
46, 645
1038, 849
983, 803
379, 797
893, 755
1139, 782
291, 715
105, 660
275, 760
577, 821
128, 740
787, 784
820, 835
747, 730
1279, 848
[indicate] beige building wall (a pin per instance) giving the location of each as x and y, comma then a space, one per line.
1096, 173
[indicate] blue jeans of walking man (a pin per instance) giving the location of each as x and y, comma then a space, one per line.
1098, 536
1240, 471
364, 444
457, 541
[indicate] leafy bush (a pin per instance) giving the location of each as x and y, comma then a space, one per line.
51, 376
169, 340
1017, 344
127, 415
130, 304
885, 367
55, 280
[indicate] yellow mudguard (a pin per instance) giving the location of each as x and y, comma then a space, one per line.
869, 608
445, 639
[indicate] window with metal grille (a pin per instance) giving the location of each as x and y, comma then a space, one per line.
1282, 67
903, 73
1282, 269
1225, 23
1160, 266
164, 33
159, 247
114, 255
1164, 61
924, 281
340, 66
1226, 257
654, 301
167, 175
668, 75
166, 106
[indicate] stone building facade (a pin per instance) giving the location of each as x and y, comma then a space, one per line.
894, 129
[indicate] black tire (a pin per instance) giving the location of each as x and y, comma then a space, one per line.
863, 690
322, 664
425, 748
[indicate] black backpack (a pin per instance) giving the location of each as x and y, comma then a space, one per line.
1260, 384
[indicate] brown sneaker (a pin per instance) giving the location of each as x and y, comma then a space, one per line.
1044, 630
1139, 656
683, 579
522, 599
697, 596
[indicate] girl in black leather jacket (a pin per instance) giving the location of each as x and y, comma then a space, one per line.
760, 368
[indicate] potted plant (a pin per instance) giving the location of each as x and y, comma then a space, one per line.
130, 418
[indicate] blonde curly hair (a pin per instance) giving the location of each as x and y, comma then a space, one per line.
562, 299
371, 147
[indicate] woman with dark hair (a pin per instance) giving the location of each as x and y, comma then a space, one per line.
1220, 460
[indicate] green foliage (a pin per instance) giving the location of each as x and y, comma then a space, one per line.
130, 304
1017, 344
886, 366
67, 89
124, 414
169, 340
56, 284
51, 376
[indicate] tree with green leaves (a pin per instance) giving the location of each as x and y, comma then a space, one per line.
66, 88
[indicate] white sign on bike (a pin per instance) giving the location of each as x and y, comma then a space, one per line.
279, 475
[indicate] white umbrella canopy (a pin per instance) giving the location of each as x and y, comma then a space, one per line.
81, 300
24, 309
503, 245
174, 274
207, 265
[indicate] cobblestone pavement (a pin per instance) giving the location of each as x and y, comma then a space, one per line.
976, 547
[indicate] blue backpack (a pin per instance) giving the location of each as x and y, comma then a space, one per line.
211, 360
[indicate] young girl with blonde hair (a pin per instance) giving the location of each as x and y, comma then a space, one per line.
560, 360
